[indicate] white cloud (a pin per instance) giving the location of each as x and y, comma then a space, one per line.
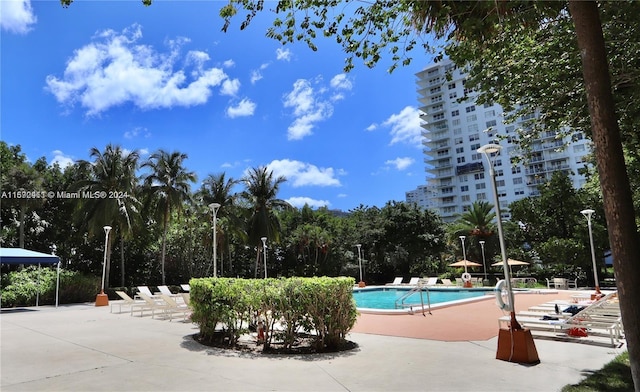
401, 163
299, 202
372, 127
230, 87
114, 69
309, 107
283, 54
341, 82
255, 76
405, 127
135, 132
244, 108
61, 159
144, 151
229, 63
303, 174
16, 16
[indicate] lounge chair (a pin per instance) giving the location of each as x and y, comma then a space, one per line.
447, 282
185, 287
145, 290
414, 281
126, 301
459, 282
396, 281
150, 304
431, 281
165, 290
174, 307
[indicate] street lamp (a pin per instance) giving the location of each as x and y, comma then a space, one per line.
484, 264
587, 214
264, 255
102, 299
214, 209
465, 277
522, 348
54, 248
361, 283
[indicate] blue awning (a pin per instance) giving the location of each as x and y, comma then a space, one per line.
24, 256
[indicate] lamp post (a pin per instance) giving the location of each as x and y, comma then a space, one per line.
102, 299
484, 264
587, 214
466, 278
511, 348
54, 248
214, 209
264, 254
359, 246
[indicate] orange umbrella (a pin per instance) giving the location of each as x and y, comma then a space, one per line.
465, 263
511, 262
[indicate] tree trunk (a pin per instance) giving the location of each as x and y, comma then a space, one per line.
21, 229
121, 260
107, 267
614, 182
164, 241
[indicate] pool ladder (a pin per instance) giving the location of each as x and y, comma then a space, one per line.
400, 301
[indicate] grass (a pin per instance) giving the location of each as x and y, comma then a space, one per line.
613, 377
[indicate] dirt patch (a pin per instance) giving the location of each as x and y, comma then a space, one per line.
304, 344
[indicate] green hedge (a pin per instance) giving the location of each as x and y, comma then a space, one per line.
225, 308
20, 288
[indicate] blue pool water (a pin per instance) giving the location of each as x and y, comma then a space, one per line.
385, 298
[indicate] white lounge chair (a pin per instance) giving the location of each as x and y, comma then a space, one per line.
149, 304
447, 282
145, 290
174, 307
185, 287
126, 301
414, 281
431, 281
396, 281
165, 290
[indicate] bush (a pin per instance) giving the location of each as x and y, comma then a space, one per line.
20, 288
224, 308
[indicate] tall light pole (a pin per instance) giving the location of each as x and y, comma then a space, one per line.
359, 246
509, 347
214, 209
264, 254
587, 214
102, 299
464, 253
484, 264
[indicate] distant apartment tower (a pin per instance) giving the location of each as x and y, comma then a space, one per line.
452, 133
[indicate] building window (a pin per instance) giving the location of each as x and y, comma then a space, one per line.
474, 137
476, 156
488, 105
453, 95
472, 118
455, 113
455, 122
498, 162
516, 170
452, 86
491, 123
510, 128
464, 198
443, 153
460, 159
459, 150
470, 109
439, 116
578, 148
458, 140
489, 113
435, 90
478, 176
475, 146
519, 191
437, 98
517, 180
449, 210
500, 183
464, 178
481, 185
464, 188
481, 196
499, 173
472, 128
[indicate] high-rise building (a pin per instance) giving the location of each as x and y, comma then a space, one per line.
454, 129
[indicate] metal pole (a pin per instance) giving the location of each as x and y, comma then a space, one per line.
587, 214
484, 264
214, 209
464, 253
360, 260
107, 229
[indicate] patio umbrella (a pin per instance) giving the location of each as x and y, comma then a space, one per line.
463, 263
510, 262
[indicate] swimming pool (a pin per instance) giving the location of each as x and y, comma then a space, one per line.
385, 298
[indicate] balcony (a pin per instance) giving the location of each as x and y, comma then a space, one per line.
469, 168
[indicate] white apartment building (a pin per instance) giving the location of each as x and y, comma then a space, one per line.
458, 175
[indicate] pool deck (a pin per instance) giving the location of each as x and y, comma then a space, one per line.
471, 320
86, 348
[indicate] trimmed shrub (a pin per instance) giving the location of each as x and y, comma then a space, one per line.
323, 307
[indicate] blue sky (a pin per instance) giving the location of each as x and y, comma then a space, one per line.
166, 77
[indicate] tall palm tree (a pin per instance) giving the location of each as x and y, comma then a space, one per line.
167, 187
477, 225
261, 191
112, 185
217, 188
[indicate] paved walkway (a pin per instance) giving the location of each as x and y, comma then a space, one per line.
84, 348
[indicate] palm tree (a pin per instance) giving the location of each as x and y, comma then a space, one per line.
477, 225
216, 188
261, 191
167, 187
110, 198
